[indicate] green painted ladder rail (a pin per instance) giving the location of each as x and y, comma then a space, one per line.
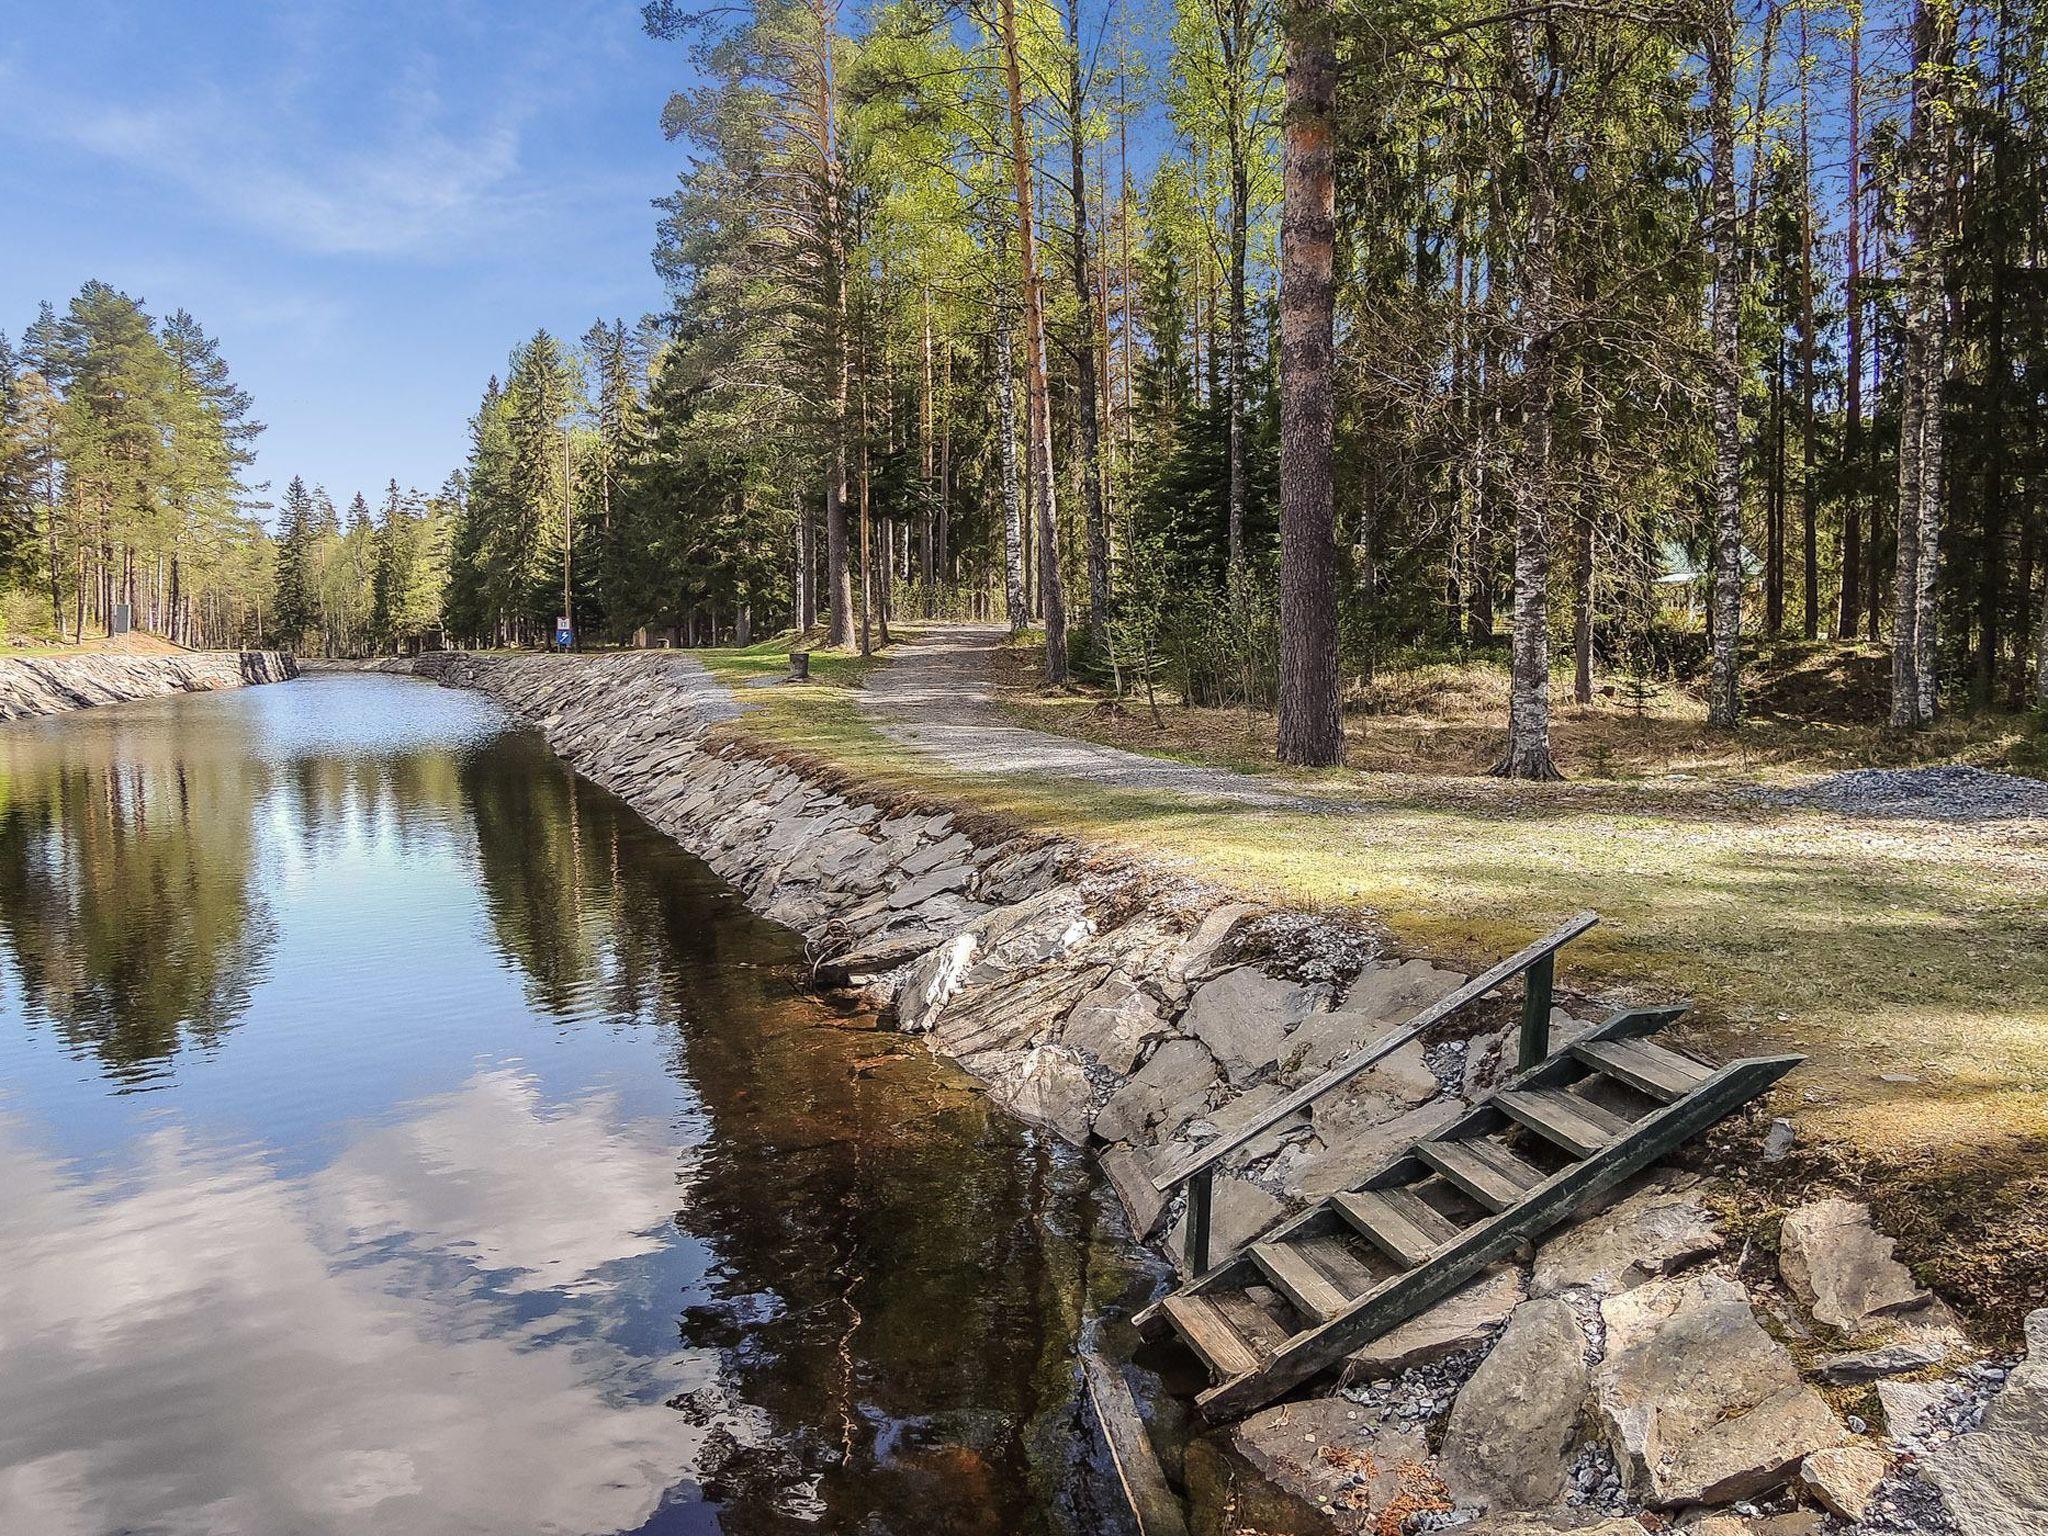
1358, 1264
1536, 965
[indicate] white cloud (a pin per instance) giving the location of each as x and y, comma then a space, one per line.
414, 189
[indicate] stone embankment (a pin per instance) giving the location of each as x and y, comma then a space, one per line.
51, 685
1637, 1364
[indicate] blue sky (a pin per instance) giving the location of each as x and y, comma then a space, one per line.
369, 204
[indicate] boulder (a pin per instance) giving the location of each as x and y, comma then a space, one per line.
1843, 1480
1905, 1405
1700, 1405
1206, 942
1114, 1023
1046, 1085
935, 882
995, 948
1508, 1442
1239, 1211
1243, 1016
1162, 1095
1837, 1262
1130, 1175
1650, 1234
1324, 1452
1556, 1522
1995, 1480
1465, 1319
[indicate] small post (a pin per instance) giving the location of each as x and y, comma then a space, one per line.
799, 666
1199, 1191
1536, 982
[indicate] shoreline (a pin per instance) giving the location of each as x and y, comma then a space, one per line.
35, 686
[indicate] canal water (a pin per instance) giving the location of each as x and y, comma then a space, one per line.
398, 1135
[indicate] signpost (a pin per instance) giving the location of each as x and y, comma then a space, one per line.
565, 637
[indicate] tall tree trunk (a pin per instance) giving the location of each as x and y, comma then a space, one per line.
1724, 702
1311, 727
838, 572
1528, 749
1038, 413
1852, 404
1232, 35
1087, 423
1809, 513
1922, 453
1013, 511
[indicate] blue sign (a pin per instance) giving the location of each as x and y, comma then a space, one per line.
564, 635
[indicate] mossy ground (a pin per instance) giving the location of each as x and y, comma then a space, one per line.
1908, 960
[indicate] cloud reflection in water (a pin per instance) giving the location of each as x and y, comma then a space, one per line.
203, 1346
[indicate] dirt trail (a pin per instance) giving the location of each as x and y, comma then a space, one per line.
937, 696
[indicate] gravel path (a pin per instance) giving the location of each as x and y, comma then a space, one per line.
935, 695
1947, 793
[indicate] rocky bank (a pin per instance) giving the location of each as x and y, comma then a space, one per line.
52, 685
1631, 1373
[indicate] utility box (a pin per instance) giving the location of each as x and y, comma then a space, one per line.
122, 621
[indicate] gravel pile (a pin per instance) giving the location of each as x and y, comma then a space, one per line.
1949, 793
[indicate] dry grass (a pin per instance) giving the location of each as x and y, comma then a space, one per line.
135, 643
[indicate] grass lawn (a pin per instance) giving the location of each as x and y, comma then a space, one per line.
1908, 960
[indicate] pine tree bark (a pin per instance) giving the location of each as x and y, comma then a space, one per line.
1087, 424
1809, 511
1852, 404
1310, 722
1013, 509
1724, 702
1923, 449
1528, 748
1038, 405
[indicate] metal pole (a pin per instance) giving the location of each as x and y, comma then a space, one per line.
1199, 1191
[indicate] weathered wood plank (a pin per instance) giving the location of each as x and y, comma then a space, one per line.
1582, 1128
1151, 1498
1311, 1291
1647, 1068
1211, 1336
1482, 1177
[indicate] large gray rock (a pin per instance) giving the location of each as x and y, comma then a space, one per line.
1243, 1016
1651, 1233
1701, 1406
1196, 957
1995, 1480
1837, 1262
1048, 1086
1114, 1023
1465, 1319
1842, 1481
1171, 1088
1508, 1442
1325, 1453
994, 949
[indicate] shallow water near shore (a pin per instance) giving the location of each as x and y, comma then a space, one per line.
397, 1134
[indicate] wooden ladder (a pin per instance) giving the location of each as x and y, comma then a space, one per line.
1365, 1260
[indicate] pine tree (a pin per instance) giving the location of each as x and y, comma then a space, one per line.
292, 603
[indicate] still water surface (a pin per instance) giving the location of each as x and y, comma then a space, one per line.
398, 1135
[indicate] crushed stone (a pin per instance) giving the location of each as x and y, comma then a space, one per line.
1950, 792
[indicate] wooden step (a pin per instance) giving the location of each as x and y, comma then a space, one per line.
1332, 1253
1212, 1336
1664, 1075
1311, 1291
1488, 1172
1397, 1223
1578, 1125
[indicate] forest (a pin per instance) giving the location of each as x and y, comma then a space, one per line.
1243, 348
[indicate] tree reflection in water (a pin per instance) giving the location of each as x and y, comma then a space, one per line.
556, 1204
